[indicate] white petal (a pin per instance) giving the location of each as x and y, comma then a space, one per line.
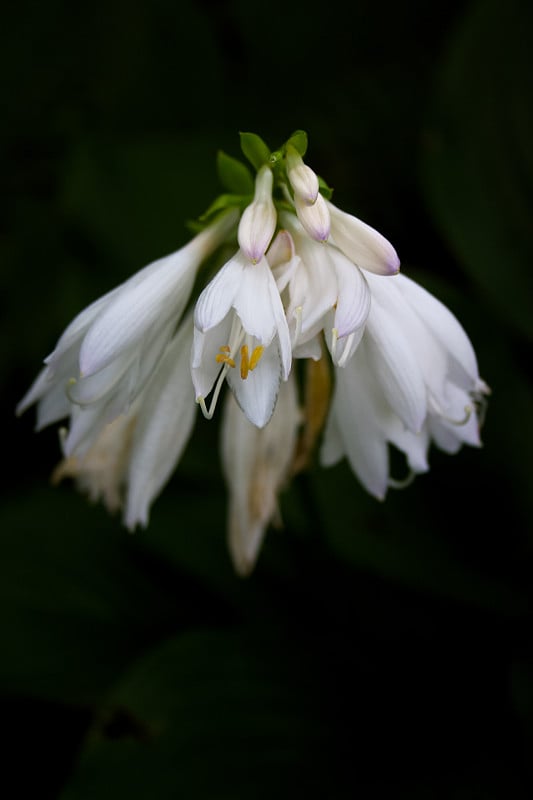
164, 424
257, 394
219, 295
206, 347
282, 328
137, 309
442, 323
428, 352
310, 349
315, 218
256, 464
254, 302
353, 303
94, 388
42, 384
313, 287
75, 332
54, 406
362, 244
364, 442
395, 366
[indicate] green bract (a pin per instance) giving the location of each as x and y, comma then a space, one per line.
255, 149
298, 140
234, 175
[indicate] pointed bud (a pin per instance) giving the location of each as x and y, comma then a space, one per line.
315, 218
362, 244
301, 177
258, 222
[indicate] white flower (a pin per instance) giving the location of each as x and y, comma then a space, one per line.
326, 291
413, 379
241, 334
256, 465
258, 221
106, 355
127, 461
127, 371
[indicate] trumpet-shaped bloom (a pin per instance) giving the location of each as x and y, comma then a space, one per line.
126, 461
256, 464
326, 292
241, 333
106, 355
414, 379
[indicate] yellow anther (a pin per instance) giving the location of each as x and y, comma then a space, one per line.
223, 357
256, 356
245, 362
248, 363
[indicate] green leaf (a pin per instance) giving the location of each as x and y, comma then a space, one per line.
298, 140
234, 175
236, 701
325, 190
255, 149
478, 162
222, 202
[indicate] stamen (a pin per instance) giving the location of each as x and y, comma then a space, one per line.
437, 408
249, 363
220, 358
224, 356
201, 401
70, 385
404, 482
245, 362
459, 422
256, 356
346, 352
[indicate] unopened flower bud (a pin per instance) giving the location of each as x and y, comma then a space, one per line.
315, 218
258, 221
301, 177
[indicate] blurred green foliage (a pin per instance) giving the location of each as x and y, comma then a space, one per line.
377, 647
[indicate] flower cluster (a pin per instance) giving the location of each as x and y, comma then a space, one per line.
306, 281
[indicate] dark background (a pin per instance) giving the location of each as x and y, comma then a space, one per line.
378, 649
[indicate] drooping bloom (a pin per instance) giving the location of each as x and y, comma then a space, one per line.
256, 463
127, 461
304, 281
414, 379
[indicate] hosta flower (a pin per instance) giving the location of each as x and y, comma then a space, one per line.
126, 462
241, 333
414, 379
256, 463
298, 280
